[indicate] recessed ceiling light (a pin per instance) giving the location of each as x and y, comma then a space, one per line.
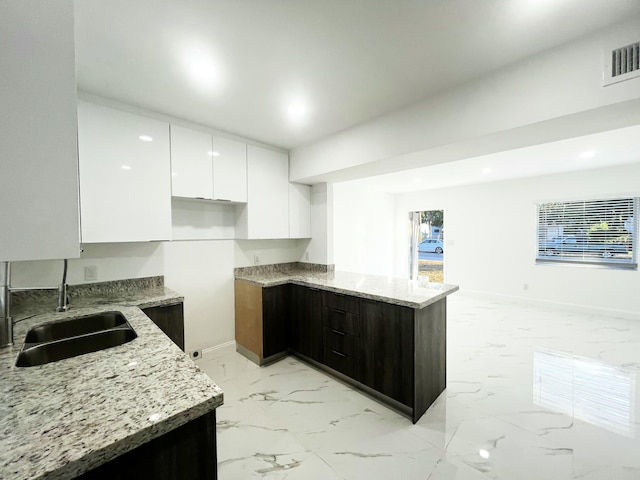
214, 154
483, 453
418, 180
587, 154
202, 69
146, 138
125, 167
486, 170
297, 111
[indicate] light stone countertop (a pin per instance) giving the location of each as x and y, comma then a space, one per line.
64, 418
396, 291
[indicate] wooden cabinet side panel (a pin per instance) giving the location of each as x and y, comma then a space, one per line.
248, 308
170, 319
430, 355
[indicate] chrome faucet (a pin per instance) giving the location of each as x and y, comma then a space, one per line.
6, 321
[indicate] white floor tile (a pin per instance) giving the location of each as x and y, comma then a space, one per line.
533, 393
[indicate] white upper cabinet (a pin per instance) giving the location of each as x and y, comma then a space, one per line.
125, 186
38, 125
207, 167
229, 170
299, 210
266, 214
191, 163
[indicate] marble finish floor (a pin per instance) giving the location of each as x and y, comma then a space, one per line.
533, 392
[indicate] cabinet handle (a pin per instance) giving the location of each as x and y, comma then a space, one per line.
338, 332
337, 310
340, 354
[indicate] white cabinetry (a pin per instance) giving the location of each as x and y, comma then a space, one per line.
191, 164
266, 214
125, 186
207, 167
229, 170
38, 123
299, 210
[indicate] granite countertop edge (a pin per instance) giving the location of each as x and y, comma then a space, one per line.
397, 293
128, 424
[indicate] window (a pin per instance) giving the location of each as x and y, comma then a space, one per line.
597, 232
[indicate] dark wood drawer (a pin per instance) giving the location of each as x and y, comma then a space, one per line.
342, 321
344, 303
341, 342
341, 362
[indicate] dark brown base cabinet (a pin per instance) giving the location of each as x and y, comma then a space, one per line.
394, 353
188, 451
274, 310
305, 322
170, 319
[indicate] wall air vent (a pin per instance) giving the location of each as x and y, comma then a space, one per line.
625, 59
623, 64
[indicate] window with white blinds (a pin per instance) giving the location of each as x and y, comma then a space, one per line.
598, 232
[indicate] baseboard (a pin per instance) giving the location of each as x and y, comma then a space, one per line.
211, 352
574, 307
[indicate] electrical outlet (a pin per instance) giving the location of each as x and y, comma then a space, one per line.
91, 273
526, 286
196, 354
256, 258
306, 256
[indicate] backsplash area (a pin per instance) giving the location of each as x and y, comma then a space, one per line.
283, 268
102, 289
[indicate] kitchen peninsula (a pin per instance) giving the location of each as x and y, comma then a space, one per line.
385, 336
142, 409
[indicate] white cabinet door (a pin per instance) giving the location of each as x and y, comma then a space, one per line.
266, 214
229, 170
299, 210
191, 164
38, 125
125, 187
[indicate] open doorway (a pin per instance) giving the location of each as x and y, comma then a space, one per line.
427, 246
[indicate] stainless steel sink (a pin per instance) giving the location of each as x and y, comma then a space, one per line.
58, 330
53, 341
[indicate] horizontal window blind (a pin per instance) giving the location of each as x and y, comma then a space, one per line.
599, 232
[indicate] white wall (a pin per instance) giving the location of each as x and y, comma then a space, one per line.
202, 271
115, 261
363, 230
201, 220
561, 83
270, 251
490, 239
320, 247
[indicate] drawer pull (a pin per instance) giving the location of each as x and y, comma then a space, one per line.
337, 310
337, 332
340, 354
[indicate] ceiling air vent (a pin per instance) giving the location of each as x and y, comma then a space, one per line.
623, 64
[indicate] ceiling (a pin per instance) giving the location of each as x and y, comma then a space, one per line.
288, 73
605, 149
